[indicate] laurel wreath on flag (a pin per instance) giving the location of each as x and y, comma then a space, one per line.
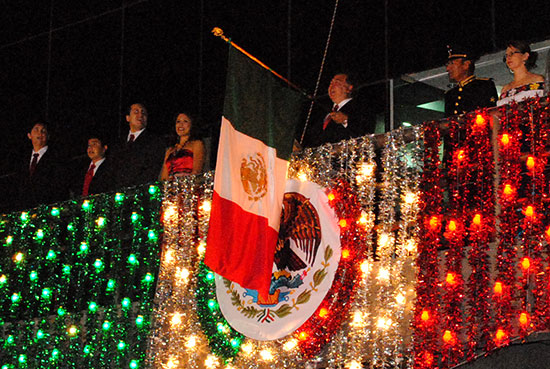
285, 309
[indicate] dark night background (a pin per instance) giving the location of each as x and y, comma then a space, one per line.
79, 64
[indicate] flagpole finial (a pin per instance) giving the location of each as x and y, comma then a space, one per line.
218, 32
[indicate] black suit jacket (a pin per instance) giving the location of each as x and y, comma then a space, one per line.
102, 181
361, 121
46, 185
140, 161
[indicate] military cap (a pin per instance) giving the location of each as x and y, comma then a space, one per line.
460, 52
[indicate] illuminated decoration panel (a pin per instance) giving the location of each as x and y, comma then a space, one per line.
77, 281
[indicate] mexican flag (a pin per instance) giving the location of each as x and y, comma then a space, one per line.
257, 133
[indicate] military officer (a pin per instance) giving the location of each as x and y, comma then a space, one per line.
471, 92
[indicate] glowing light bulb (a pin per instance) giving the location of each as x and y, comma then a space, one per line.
100, 222
425, 316
400, 298
211, 361
168, 256
508, 190
266, 355
498, 288
480, 120
290, 344
529, 211
303, 336
366, 170
523, 319
525, 263
170, 213
452, 225
451, 278
363, 219
357, 319
354, 364
182, 275
302, 176
410, 245
72, 331
448, 337
331, 196
530, 162
460, 155
201, 249
505, 139
345, 253
176, 319
191, 342
383, 323
172, 363
434, 222
343, 223
323, 313
18, 257
410, 198
247, 348
383, 275
500, 334
206, 206
477, 219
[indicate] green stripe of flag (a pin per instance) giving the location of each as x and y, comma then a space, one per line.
259, 105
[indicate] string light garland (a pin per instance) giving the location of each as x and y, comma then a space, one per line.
69, 296
427, 316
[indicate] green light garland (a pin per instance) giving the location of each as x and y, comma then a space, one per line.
223, 339
68, 298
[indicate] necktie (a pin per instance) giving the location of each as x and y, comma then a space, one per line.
88, 180
132, 138
33, 164
328, 118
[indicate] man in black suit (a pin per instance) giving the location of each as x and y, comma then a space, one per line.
348, 118
139, 157
98, 176
470, 92
39, 175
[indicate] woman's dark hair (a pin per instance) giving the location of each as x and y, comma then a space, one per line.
193, 132
523, 47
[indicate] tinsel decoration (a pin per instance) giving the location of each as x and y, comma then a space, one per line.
504, 287
427, 316
535, 276
316, 332
77, 281
177, 335
480, 207
454, 233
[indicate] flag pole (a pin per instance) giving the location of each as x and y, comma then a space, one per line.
216, 31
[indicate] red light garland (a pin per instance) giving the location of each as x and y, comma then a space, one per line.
425, 324
327, 319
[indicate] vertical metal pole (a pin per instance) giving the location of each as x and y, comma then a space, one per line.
493, 26
289, 41
49, 71
201, 56
388, 124
121, 67
391, 104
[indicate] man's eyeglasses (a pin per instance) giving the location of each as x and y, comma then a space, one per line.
509, 55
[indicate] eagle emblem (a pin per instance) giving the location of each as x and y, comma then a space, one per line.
254, 176
299, 223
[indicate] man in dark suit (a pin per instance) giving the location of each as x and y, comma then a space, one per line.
139, 157
348, 117
471, 92
39, 174
98, 176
